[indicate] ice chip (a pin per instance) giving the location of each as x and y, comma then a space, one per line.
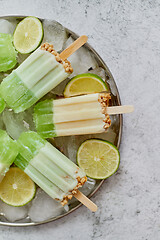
62, 144
82, 60
103, 74
16, 123
13, 214
110, 136
99, 71
59, 89
54, 33
22, 57
88, 186
44, 207
113, 87
7, 26
86, 190
72, 148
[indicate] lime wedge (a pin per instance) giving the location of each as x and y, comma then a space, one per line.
16, 188
28, 35
84, 84
98, 158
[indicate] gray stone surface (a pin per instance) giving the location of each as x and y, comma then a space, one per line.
126, 34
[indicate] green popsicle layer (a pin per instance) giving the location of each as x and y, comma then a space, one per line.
16, 94
8, 54
47, 166
43, 118
8, 152
34, 78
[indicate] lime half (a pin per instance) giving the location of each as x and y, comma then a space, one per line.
84, 84
98, 158
28, 35
16, 188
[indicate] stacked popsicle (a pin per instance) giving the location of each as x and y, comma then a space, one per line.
59, 177
85, 114
8, 153
36, 76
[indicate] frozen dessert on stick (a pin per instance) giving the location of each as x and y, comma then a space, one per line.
43, 70
78, 115
8, 55
8, 153
59, 177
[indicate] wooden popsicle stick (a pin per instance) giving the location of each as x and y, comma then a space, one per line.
120, 109
86, 201
73, 47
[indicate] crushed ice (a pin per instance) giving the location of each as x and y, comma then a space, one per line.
54, 33
82, 60
13, 214
44, 207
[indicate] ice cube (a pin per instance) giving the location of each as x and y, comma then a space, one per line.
62, 144
13, 214
82, 60
72, 148
7, 26
44, 207
16, 123
54, 33
100, 72
110, 135
60, 88
88, 186
22, 57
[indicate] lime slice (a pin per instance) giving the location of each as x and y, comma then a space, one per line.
98, 158
85, 83
28, 35
16, 188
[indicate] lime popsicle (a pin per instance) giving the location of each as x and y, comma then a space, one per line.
8, 54
8, 153
84, 114
35, 77
59, 177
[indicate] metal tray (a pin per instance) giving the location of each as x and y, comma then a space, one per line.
115, 101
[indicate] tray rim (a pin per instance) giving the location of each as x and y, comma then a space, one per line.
27, 224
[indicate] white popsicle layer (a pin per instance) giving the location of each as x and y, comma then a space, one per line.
41, 72
73, 116
35, 77
48, 167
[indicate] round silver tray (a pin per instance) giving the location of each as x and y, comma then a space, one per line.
115, 101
